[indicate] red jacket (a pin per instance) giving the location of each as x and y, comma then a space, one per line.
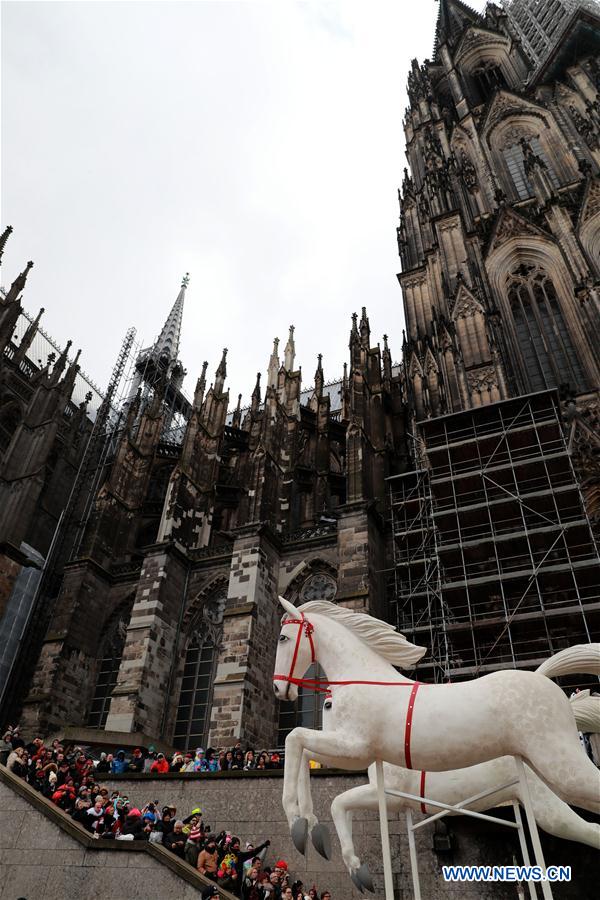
160, 765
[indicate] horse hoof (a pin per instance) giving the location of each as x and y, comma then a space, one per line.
365, 878
321, 841
299, 832
357, 882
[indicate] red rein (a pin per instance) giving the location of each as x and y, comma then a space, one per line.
322, 685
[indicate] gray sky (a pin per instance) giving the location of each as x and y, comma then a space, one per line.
258, 146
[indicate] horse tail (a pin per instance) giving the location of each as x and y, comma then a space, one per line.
582, 659
586, 710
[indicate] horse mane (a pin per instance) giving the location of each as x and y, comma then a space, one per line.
379, 636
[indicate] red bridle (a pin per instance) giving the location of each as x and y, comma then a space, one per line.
322, 685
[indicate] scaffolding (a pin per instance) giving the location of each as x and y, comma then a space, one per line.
495, 562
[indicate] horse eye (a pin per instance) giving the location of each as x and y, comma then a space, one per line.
327, 704
283, 637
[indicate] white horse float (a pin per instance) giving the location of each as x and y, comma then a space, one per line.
378, 716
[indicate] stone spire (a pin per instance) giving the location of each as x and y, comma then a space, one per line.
319, 379
200, 387
273, 370
16, 288
167, 343
387, 362
236, 420
354, 336
290, 352
365, 329
28, 337
221, 373
61, 362
3, 239
255, 404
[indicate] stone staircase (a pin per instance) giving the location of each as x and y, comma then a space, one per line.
45, 855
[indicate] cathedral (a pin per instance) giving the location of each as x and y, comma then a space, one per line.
455, 492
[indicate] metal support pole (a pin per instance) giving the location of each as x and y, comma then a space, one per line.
412, 847
533, 831
524, 847
385, 833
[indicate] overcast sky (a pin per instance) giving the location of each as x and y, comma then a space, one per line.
256, 145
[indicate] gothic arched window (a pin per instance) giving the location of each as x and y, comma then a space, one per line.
108, 670
192, 720
548, 353
515, 163
193, 709
486, 79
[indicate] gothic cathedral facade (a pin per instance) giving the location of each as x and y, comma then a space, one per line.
455, 493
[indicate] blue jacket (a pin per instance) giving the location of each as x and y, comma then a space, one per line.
119, 765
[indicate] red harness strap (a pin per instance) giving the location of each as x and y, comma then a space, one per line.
422, 790
408, 727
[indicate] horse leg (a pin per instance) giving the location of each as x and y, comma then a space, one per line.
319, 744
306, 820
363, 797
555, 817
570, 774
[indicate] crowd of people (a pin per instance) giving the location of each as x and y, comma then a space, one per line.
152, 761
72, 780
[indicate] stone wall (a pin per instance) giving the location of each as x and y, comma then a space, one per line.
250, 806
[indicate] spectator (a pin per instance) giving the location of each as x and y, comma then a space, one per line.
273, 887
177, 763
325, 895
6, 747
80, 814
252, 888
192, 846
249, 760
133, 827
210, 892
208, 859
119, 764
175, 840
150, 758
17, 762
136, 763
160, 766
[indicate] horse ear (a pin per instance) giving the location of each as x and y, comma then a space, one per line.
289, 607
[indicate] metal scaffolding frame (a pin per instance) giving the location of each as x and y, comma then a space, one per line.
494, 558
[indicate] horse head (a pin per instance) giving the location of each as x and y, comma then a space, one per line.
295, 652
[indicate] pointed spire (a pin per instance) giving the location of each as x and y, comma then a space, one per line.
3, 239
255, 404
236, 420
221, 373
365, 329
354, 337
290, 351
345, 394
16, 288
453, 18
167, 343
319, 379
273, 365
200, 387
61, 362
387, 361
28, 337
